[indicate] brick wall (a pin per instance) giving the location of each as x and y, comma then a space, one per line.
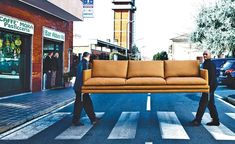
39, 19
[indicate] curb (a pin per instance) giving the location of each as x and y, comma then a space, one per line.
231, 100
33, 116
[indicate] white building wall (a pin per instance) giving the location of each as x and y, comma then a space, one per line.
93, 28
185, 51
74, 7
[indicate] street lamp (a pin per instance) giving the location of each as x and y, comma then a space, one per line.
127, 35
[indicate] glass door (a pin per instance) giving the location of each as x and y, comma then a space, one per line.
52, 64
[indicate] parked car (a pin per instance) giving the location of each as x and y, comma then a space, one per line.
226, 70
219, 63
9, 66
230, 80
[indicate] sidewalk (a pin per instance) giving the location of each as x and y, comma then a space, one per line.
17, 110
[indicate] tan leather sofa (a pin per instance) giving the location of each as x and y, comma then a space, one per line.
145, 76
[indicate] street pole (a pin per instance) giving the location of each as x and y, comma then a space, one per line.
127, 35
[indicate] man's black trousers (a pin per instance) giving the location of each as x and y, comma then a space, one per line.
83, 102
204, 102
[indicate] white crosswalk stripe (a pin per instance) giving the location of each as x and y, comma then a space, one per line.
35, 127
170, 126
126, 126
232, 115
220, 132
77, 132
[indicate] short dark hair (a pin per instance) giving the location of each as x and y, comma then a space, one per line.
85, 54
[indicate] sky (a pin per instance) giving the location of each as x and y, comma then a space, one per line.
156, 22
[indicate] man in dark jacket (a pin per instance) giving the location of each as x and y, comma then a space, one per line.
48, 69
82, 100
208, 100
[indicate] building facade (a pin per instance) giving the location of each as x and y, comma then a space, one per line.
182, 49
29, 30
124, 11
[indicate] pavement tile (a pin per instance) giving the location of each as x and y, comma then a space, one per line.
19, 109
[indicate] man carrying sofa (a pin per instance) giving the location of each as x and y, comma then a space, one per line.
82, 100
210, 66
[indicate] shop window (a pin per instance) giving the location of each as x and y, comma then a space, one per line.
14, 62
10, 49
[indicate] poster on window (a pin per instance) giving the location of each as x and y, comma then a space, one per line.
88, 8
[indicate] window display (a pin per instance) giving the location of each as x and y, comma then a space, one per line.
14, 62
10, 46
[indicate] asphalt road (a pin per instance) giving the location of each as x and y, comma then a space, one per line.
131, 119
224, 91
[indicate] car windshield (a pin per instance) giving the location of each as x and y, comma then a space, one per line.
229, 64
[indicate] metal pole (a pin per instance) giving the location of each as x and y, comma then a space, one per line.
127, 35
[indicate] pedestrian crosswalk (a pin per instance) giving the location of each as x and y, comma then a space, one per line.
170, 126
220, 132
232, 115
125, 127
75, 132
36, 127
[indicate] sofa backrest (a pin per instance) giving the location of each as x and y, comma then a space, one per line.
184, 68
109, 68
145, 69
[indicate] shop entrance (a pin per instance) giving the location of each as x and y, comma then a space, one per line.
15, 58
52, 64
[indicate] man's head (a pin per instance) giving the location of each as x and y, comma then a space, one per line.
86, 55
206, 55
50, 54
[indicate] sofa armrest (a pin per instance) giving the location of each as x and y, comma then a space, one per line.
204, 74
86, 74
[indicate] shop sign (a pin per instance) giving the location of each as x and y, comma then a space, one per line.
14, 24
53, 34
88, 8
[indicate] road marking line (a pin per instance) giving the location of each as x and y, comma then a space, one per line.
226, 103
148, 106
218, 96
170, 126
232, 115
77, 132
16, 95
126, 126
35, 127
32, 121
15, 105
20, 127
220, 132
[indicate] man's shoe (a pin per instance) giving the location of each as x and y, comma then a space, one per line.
195, 123
213, 123
77, 123
96, 121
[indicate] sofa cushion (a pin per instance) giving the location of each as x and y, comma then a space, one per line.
185, 81
145, 81
145, 69
105, 81
109, 68
186, 68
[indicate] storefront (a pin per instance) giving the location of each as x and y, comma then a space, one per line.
15, 54
53, 42
29, 30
